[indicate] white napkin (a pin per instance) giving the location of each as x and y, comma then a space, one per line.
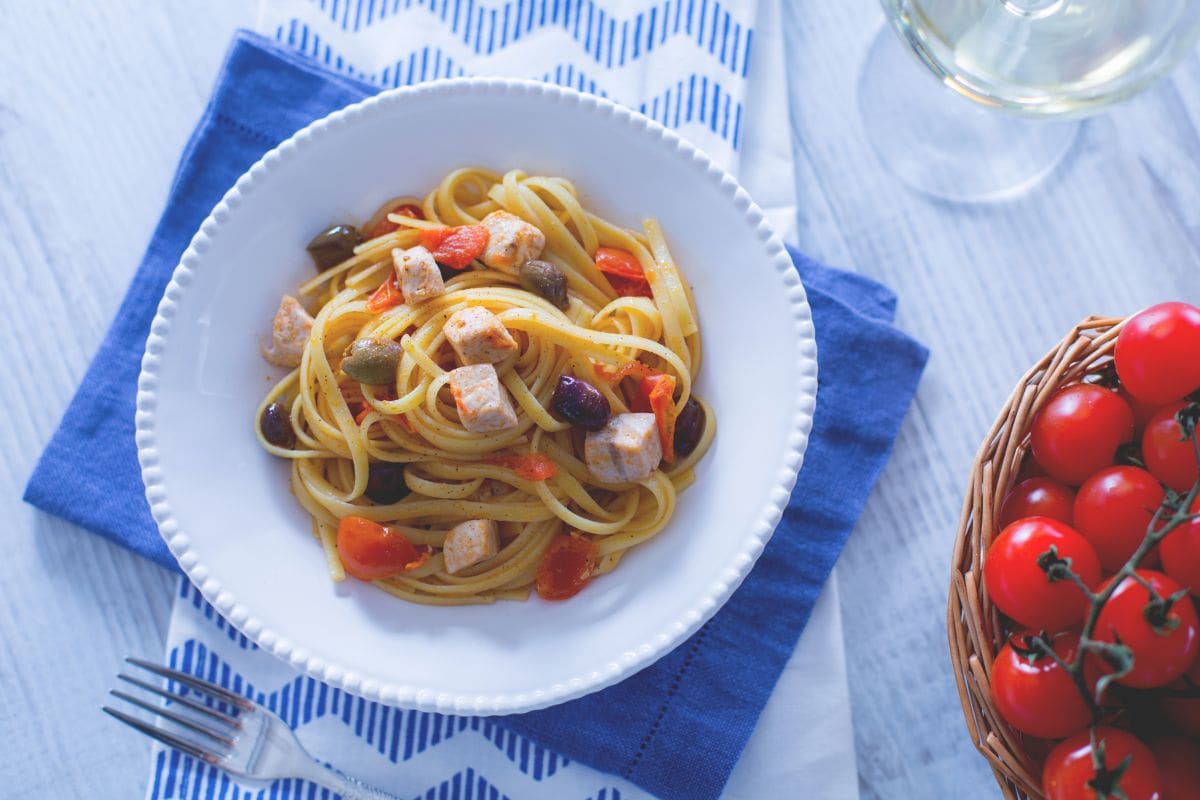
803, 744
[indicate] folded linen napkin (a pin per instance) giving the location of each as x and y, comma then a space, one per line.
676, 728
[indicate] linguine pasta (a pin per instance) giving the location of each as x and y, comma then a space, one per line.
342, 429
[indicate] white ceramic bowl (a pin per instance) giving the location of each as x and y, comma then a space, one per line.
223, 505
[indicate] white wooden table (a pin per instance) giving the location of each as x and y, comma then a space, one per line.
96, 101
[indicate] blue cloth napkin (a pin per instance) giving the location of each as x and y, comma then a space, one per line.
677, 727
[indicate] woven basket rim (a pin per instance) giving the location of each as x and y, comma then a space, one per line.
974, 629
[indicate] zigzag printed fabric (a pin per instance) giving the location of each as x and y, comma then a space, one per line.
681, 62
413, 754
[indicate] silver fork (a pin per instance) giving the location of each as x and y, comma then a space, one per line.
232, 733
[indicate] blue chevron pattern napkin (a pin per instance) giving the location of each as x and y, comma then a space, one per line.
681, 62
674, 730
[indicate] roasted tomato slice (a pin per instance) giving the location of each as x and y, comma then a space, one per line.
566, 567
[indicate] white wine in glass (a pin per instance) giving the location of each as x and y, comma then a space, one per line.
1036, 58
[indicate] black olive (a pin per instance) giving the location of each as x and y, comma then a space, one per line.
580, 403
546, 280
276, 425
688, 427
372, 361
333, 245
385, 483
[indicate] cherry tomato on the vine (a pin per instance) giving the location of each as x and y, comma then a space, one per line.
1163, 636
1113, 509
1170, 457
1033, 692
1038, 497
1021, 588
1180, 551
1178, 760
1078, 431
1156, 352
1184, 712
1070, 774
1142, 411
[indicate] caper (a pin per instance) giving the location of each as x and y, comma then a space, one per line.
372, 361
545, 280
276, 425
333, 245
385, 483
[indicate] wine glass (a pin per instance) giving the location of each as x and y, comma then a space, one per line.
1045, 62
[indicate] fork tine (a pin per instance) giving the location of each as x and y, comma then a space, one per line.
166, 737
198, 684
176, 718
195, 705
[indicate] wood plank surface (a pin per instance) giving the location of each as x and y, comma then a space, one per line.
96, 102
989, 288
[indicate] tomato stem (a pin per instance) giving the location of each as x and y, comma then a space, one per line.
1173, 513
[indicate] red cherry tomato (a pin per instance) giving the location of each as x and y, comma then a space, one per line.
1113, 509
1170, 457
1142, 411
1178, 760
1181, 552
1034, 693
1021, 588
1156, 352
1163, 648
1038, 497
370, 551
1184, 712
1077, 433
1069, 773
566, 567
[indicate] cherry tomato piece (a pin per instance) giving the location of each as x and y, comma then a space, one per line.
1069, 772
1180, 551
566, 567
615, 261
1038, 497
531, 467
1036, 695
1156, 352
1178, 761
1020, 587
385, 225
1113, 509
1078, 431
370, 551
1169, 456
1164, 641
388, 295
624, 271
455, 247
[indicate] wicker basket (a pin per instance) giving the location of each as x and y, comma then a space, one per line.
975, 629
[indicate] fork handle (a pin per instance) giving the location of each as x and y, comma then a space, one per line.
346, 786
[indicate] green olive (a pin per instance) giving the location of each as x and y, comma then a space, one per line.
372, 361
545, 280
333, 245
